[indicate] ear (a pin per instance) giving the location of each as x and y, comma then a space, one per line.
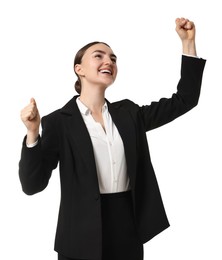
78, 70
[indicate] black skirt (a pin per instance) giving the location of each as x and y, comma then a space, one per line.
120, 240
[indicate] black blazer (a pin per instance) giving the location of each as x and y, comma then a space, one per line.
65, 139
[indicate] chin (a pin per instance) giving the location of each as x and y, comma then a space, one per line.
106, 84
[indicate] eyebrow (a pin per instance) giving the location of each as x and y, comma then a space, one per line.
103, 52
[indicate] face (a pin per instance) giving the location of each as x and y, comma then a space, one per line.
98, 66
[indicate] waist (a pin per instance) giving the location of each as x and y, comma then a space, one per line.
116, 195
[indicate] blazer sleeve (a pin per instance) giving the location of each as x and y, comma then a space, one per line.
36, 164
188, 90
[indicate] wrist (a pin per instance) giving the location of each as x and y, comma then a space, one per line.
32, 137
189, 47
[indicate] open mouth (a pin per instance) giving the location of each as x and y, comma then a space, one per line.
106, 71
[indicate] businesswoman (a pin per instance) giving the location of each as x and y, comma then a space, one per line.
110, 201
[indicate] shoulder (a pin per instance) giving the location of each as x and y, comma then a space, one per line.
52, 115
66, 109
125, 104
51, 119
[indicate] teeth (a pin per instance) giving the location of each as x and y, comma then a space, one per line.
106, 71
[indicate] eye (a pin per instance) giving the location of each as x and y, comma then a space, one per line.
98, 56
113, 59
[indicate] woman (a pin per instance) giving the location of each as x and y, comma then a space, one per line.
110, 200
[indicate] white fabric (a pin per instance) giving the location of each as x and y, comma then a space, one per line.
108, 151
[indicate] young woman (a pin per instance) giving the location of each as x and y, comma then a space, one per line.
110, 200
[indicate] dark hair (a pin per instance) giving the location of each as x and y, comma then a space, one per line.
78, 60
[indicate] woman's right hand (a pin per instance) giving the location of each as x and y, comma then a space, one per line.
31, 119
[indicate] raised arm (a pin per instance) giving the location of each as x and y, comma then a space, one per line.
188, 89
38, 160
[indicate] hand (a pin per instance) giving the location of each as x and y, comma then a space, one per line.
186, 31
31, 118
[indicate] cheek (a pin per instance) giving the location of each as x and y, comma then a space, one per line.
90, 69
116, 71
93, 66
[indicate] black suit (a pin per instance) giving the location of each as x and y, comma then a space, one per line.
65, 139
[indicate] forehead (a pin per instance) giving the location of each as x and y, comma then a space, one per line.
99, 47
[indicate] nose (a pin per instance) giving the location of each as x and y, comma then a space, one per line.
107, 60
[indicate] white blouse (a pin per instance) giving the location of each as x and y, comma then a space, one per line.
108, 151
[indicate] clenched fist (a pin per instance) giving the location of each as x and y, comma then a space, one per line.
185, 29
31, 118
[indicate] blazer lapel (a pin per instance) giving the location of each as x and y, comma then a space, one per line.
78, 133
127, 130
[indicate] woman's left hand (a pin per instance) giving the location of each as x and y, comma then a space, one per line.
185, 29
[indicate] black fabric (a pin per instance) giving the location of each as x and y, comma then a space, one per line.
120, 239
62, 257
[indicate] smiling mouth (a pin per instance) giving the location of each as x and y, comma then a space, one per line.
105, 71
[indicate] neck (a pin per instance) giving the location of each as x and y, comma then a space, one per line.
94, 100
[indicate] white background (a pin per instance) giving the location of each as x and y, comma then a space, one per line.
38, 42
